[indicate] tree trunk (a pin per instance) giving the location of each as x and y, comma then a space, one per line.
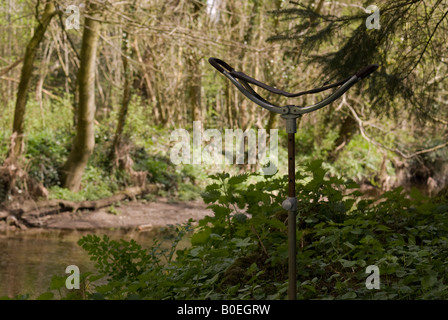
150, 91
84, 140
25, 78
228, 99
128, 79
272, 122
194, 88
346, 133
44, 70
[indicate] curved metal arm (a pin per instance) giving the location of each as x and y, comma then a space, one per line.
334, 96
252, 95
241, 81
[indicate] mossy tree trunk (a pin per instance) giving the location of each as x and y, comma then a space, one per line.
16, 148
85, 139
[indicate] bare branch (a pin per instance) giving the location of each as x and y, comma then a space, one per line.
397, 151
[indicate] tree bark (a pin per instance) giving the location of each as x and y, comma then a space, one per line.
229, 107
84, 140
150, 91
346, 132
25, 78
194, 87
128, 79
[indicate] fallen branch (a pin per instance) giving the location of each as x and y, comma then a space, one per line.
30, 212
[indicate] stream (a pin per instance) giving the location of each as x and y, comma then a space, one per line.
28, 260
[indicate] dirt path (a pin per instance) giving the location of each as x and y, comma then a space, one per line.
129, 215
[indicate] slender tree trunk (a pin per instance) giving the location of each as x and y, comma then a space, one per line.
147, 77
84, 140
44, 70
194, 87
16, 148
128, 79
348, 129
272, 121
229, 106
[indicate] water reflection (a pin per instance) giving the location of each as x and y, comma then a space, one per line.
28, 260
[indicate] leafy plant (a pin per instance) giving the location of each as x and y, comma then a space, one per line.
240, 252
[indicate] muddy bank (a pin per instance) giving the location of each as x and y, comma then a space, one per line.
128, 215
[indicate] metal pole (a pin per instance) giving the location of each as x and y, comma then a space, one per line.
291, 219
290, 113
290, 204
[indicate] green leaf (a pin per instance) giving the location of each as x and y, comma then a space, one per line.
46, 296
212, 280
213, 186
96, 277
210, 196
238, 179
309, 287
347, 263
276, 223
201, 237
220, 252
351, 185
57, 282
240, 217
97, 296
349, 295
356, 231
103, 289
242, 242
348, 244
220, 211
441, 208
318, 175
314, 165
400, 273
416, 194
429, 280
405, 289
133, 296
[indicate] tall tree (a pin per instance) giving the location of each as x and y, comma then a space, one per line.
32, 48
84, 141
407, 39
128, 75
409, 57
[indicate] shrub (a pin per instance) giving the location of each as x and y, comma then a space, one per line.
240, 252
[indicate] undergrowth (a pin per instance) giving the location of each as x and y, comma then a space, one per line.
240, 252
